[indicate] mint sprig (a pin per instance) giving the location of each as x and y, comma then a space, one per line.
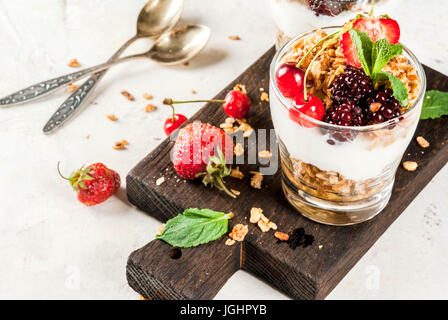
382, 52
195, 227
400, 91
435, 105
374, 56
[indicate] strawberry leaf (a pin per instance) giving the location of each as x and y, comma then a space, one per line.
195, 227
435, 105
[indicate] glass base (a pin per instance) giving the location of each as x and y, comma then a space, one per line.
336, 213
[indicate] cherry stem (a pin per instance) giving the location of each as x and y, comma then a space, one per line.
193, 101
174, 113
313, 47
59, 171
371, 9
335, 35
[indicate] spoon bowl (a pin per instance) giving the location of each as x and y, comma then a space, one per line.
179, 45
158, 16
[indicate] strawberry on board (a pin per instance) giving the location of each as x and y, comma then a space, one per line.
376, 28
201, 151
94, 184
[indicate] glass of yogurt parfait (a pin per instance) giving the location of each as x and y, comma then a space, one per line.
296, 16
338, 167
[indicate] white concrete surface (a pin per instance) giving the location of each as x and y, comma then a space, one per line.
51, 246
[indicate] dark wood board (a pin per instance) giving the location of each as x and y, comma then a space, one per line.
304, 273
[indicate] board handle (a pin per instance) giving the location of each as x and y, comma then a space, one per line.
160, 272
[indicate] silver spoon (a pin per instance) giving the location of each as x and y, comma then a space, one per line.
177, 46
155, 18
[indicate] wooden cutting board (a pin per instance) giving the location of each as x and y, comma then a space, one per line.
157, 271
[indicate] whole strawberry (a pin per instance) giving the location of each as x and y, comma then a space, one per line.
201, 150
94, 184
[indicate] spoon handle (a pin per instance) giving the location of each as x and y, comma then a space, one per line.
76, 100
41, 89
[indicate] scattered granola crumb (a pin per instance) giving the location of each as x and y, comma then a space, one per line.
150, 108
410, 165
236, 173
281, 236
160, 181
160, 229
264, 96
72, 88
239, 150
422, 142
186, 63
74, 63
194, 91
320, 247
234, 38
230, 242
120, 145
236, 192
255, 215
240, 87
374, 107
111, 117
263, 226
272, 225
256, 179
127, 95
239, 232
248, 132
147, 96
265, 154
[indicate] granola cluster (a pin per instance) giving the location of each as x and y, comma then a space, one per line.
331, 63
325, 68
332, 185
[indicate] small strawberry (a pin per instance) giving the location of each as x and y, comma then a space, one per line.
201, 150
376, 29
94, 184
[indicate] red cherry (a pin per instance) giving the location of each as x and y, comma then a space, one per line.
312, 108
172, 124
236, 104
289, 79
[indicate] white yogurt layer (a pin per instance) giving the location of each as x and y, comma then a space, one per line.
355, 160
293, 17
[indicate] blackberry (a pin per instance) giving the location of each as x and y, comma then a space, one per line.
389, 109
346, 114
326, 7
351, 85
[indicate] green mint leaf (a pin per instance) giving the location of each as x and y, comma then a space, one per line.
382, 52
400, 91
195, 227
207, 213
363, 45
435, 104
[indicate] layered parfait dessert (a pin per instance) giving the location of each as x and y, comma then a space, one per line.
296, 16
345, 103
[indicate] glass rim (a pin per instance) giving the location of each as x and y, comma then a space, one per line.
285, 103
